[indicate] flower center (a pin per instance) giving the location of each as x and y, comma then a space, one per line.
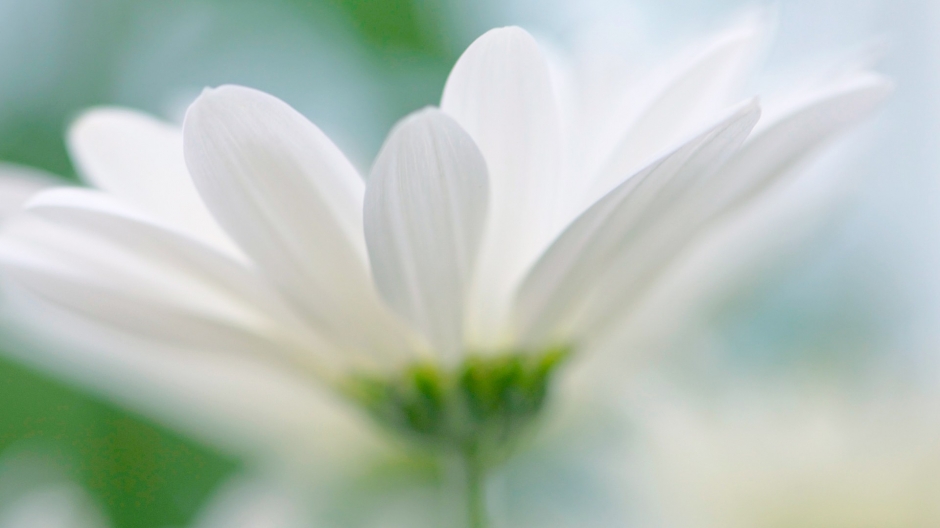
482, 405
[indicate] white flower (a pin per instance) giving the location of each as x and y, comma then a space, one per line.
492, 232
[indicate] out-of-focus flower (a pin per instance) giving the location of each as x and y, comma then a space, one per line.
34, 494
238, 504
59, 506
783, 457
244, 502
494, 236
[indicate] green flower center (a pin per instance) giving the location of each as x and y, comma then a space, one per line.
482, 405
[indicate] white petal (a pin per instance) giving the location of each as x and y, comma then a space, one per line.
82, 250
237, 403
679, 101
56, 505
140, 159
764, 159
293, 202
18, 184
798, 132
425, 210
604, 253
500, 92
244, 503
767, 157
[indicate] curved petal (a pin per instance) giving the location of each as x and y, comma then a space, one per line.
800, 130
500, 91
83, 250
679, 101
140, 159
425, 209
764, 159
293, 203
768, 156
606, 250
237, 403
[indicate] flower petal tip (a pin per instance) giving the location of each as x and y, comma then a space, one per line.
223, 92
506, 34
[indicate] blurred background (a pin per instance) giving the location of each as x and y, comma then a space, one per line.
852, 302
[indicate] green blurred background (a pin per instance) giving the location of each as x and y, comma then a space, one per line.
353, 63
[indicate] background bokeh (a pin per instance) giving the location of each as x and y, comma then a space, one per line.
857, 298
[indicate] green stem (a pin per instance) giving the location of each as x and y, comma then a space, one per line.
475, 476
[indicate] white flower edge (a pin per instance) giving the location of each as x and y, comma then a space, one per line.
18, 184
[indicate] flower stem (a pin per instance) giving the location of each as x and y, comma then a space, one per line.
476, 497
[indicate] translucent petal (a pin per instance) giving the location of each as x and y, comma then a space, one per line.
425, 210
500, 91
85, 251
140, 159
800, 130
587, 273
239, 403
291, 200
678, 102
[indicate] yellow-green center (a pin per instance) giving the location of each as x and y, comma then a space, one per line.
482, 405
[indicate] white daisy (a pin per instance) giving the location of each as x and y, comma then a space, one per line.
493, 238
